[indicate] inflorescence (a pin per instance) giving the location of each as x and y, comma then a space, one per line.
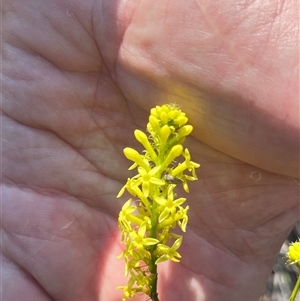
147, 219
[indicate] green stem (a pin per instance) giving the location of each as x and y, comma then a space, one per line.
153, 266
153, 293
153, 232
295, 290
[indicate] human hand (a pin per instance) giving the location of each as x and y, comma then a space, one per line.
79, 77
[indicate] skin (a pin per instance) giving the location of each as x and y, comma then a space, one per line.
79, 76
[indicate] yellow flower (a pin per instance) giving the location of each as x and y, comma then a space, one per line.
182, 217
125, 216
129, 291
142, 281
132, 260
133, 189
293, 253
139, 239
169, 252
187, 164
168, 205
146, 178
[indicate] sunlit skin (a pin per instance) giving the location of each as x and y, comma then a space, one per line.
78, 77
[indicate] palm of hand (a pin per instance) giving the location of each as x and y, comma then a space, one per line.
66, 120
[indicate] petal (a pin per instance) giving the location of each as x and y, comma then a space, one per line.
194, 164
160, 200
163, 248
165, 214
136, 182
142, 230
150, 241
126, 205
142, 171
190, 178
182, 226
145, 188
133, 166
154, 170
177, 243
157, 181
174, 259
161, 259
170, 192
186, 186
179, 201
132, 186
121, 192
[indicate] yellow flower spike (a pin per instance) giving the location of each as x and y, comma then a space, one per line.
293, 253
146, 221
293, 256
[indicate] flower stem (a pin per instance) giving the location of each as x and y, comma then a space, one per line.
295, 290
154, 294
153, 266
